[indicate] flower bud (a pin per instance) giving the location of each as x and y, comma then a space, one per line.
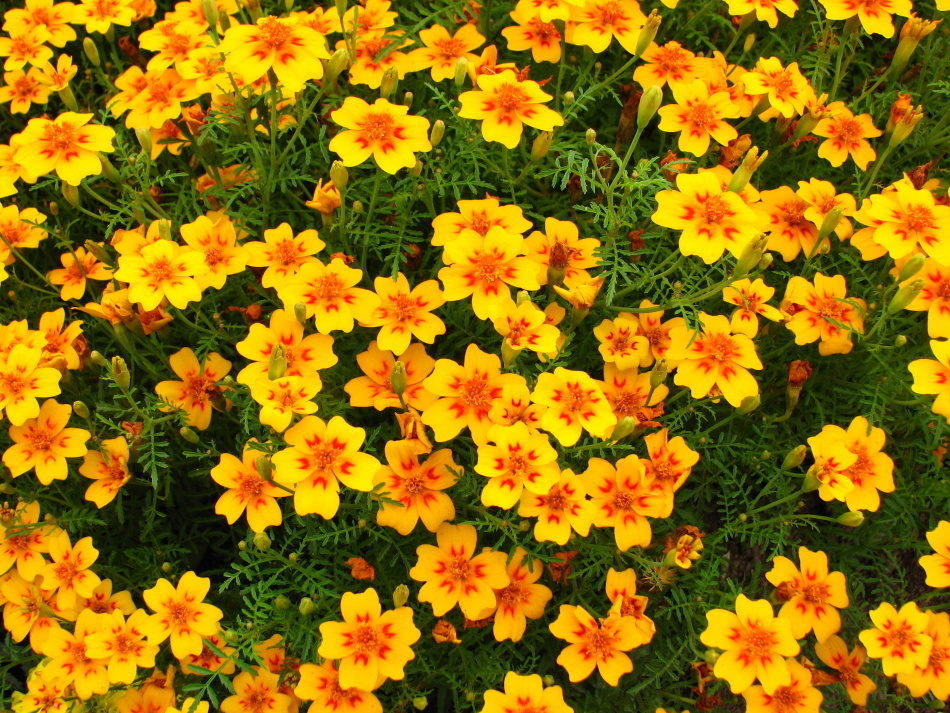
282, 602
420, 703
210, 10
144, 137
851, 519
166, 567
548, 680
749, 41
339, 175
794, 457
108, 170
591, 136
524, 525
120, 373
416, 170
305, 607
828, 225
338, 61
658, 374
97, 358
438, 131
711, 657
242, 546
906, 126
357, 206
647, 33
230, 635
905, 295
913, 265
398, 378
810, 482
766, 260
293, 557
568, 98
900, 340
300, 312
400, 596
541, 145
224, 20
262, 541
188, 434
389, 83
91, 51
340, 7
277, 366
509, 353
461, 72
649, 104
749, 165
80, 409
751, 255
749, 404
624, 428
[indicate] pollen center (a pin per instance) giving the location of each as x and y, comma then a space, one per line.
327, 287
510, 96
250, 486
624, 500
476, 393
61, 135
273, 32
403, 307
286, 253
815, 593
758, 641
599, 645
701, 115
160, 270
919, 218
721, 347
450, 48
849, 131
716, 209
513, 594
480, 223
366, 639
460, 568
787, 699
378, 125
177, 613
40, 440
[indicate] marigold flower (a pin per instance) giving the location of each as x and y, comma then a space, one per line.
872, 470
812, 596
480, 216
875, 15
22, 542
23, 381
799, 696
181, 614
504, 104
330, 295
790, 232
23, 89
754, 643
466, 394
628, 393
699, 114
283, 253
563, 509
406, 313
535, 34
525, 693
833, 652
321, 456
371, 645
847, 134
321, 684
453, 574
937, 565
44, 443
292, 50
65, 145
442, 51
671, 63
68, 572
382, 130
765, 10
214, 236
29, 610
932, 677
54, 18
670, 459
164, 270
101, 15
305, 355
712, 219
785, 87
594, 645
78, 266
208, 659
898, 638
198, 391
69, 662
751, 298
821, 309
376, 389
518, 460
256, 692
597, 22
522, 599
575, 403
416, 487
621, 344
326, 197
561, 256
62, 340
247, 489
123, 644
821, 197
907, 220
832, 462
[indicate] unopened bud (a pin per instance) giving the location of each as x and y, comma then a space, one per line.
398, 378
357, 206
164, 229
70, 193
828, 225
188, 434
749, 404
568, 98
749, 165
264, 467
120, 373
905, 126
905, 295
658, 374
810, 482
305, 607
541, 145
751, 255
262, 541
900, 340
293, 557
766, 260
339, 175
749, 41
282, 602
97, 358
210, 10
794, 457
416, 170
461, 72
338, 62
277, 365
80, 409
407, 99
98, 251
166, 567
108, 170
591, 136
438, 131
647, 33
649, 104
389, 83
548, 680
144, 137
300, 312
400, 596
524, 525
242, 546
913, 265
420, 703
624, 428
91, 51
711, 657
851, 519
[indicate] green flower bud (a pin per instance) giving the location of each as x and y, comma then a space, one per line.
282, 602
913, 265
749, 404
438, 131
91, 51
339, 175
647, 33
541, 146
300, 312
905, 295
398, 378
900, 340
794, 457
400, 596
277, 365
338, 62
262, 541
751, 255
120, 373
649, 104
591, 136
188, 434
832, 218
420, 703
210, 10
461, 72
305, 607
851, 519
80, 409
568, 98
389, 83
264, 466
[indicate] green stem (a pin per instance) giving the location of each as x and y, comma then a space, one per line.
776, 503
364, 248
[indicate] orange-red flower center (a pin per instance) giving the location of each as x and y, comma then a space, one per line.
402, 306
450, 47
178, 612
460, 568
832, 309
513, 594
510, 96
919, 218
787, 699
250, 485
758, 641
480, 223
556, 500
624, 500
701, 115
610, 12
61, 135
378, 125
273, 32
476, 392
816, 593
721, 347
65, 571
598, 645
328, 286
716, 208
849, 131
12, 384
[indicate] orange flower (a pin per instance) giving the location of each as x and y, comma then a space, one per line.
715, 357
78, 266
406, 313
823, 311
415, 487
247, 489
281, 398
514, 406
101, 15
937, 565
622, 592
304, 355
846, 135
785, 87
283, 253
575, 403
526, 693
698, 115
480, 216
466, 394
933, 676
376, 389
181, 614
908, 220
898, 638
621, 345
22, 542
23, 89
384, 131
442, 52
755, 644
65, 145
326, 197
163, 270
671, 460
522, 599
875, 15
765, 10
563, 509
751, 298
934, 298
833, 652
597, 22
671, 63
376, 53
198, 390
208, 659
55, 18
321, 684
69, 662
790, 231
595, 646
372, 645
123, 644
22, 381
812, 596
292, 50
321, 456
214, 236
519, 460
44, 443
453, 574
256, 692
69, 572
629, 391
505, 104
798, 696
533, 33
330, 295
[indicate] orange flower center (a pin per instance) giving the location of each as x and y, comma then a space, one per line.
556, 500
257, 700
326, 458
513, 595
460, 569
561, 255
611, 12
849, 131
160, 270
61, 135
286, 253
78, 652
250, 485
476, 393
787, 699
414, 483
621, 341
12, 384
378, 125
327, 287
672, 58
832, 309
273, 32
510, 96
716, 208
919, 218
517, 465
403, 307
65, 571
943, 289
758, 641
20, 543
783, 83
701, 115
99, 606
576, 398
627, 403
633, 606
721, 347
598, 645
815, 593
450, 48
366, 639
202, 388
664, 471
624, 500
177, 612
40, 440
795, 212
938, 654
337, 694
517, 330
862, 467
480, 223
23, 86
213, 256
545, 31
123, 643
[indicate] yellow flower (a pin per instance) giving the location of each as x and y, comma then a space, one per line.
23, 89
69, 572
25, 46
305, 355
292, 50
326, 197
44, 443
181, 614
751, 298
330, 295
281, 398
101, 15
78, 266
504, 104
812, 596
834, 653
164, 270
526, 693
823, 311
442, 51
376, 53
937, 565
283, 253
799, 696
597, 22
518, 460
198, 391
563, 509
785, 87
321, 684
68, 660
255, 692
907, 220
108, 469
23, 541
415, 487
672, 63
481, 216
247, 490
765, 10
575, 403
592, 645
376, 389
22, 381
122, 643
847, 134
933, 676
875, 15
406, 313
65, 145
55, 18
898, 638
754, 643
381, 130
533, 33
699, 114
213, 235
